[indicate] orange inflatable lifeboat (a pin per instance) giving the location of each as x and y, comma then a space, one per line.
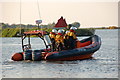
84, 50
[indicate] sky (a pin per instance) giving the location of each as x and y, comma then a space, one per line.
89, 13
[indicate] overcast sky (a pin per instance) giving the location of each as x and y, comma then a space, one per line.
88, 13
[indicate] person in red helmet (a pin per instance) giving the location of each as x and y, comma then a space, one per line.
59, 40
52, 36
72, 37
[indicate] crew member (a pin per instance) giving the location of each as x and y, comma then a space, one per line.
72, 38
66, 40
59, 41
63, 31
52, 37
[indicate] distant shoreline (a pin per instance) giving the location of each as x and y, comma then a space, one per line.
14, 32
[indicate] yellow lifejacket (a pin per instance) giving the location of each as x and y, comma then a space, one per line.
72, 34
52, 36
59, 39
65, 36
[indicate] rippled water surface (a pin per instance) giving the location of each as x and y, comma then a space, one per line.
104, 64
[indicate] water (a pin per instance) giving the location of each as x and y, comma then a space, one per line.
104, 64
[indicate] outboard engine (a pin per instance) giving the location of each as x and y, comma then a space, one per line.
28, 55
34, 55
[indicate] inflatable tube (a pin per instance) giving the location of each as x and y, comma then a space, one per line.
17, 56
84, 50
77, 53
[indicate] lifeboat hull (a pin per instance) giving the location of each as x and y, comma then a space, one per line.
85, 51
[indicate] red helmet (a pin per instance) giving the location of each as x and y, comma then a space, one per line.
60, 34
71, 30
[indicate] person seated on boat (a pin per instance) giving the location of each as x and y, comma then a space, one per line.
63, 31
52, 37
66, 40
59, 41
72, 37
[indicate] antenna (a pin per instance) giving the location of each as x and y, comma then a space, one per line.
20, 18
38, 9
39, 21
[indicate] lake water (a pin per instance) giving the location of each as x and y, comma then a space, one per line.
104, 64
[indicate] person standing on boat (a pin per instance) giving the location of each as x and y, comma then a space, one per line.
59, 40
52, 37
72, 37
66, 40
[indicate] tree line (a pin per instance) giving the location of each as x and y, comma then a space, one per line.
27, 26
